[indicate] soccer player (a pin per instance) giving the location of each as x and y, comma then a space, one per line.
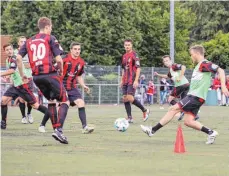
28, 74
19, 89
42, 48
181, 84
200, 83
73, 70
130, 80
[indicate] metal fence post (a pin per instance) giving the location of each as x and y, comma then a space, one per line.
118, 97
99, 94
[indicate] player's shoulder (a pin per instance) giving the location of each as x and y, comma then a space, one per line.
82, 60
135, 54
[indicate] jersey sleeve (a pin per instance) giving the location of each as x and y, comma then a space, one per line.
136, 60
82, 70
176, 67
207, 66
13, 63
23, 50
55, 46
65, 65
169, 75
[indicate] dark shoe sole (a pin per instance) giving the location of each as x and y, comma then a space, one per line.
56, 138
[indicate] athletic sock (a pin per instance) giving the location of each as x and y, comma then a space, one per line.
156, 127
29, 108
82, 116
22, 109
4, 109
139, 105
62, 113
206, 130
128, 109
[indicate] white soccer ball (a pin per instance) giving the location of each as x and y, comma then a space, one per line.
121, 124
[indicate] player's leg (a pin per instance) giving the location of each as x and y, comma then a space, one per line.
22, 109
173, 110
53, 116
192, 123
29, 107
127, 104
10, 94
75, 98
134, 101
4, 109
58, 92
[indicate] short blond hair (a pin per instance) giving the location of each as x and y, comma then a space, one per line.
198, 48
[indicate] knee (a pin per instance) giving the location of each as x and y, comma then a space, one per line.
130, 98
35, 106
188, 122
4, 100
125, 99
21, 100
80, 103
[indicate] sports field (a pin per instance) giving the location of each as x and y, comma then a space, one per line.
107, 152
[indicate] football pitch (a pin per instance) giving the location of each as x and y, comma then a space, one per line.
107, 152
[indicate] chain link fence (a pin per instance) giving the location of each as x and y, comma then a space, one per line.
104, 84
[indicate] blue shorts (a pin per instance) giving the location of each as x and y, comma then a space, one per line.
128, 90
73, 95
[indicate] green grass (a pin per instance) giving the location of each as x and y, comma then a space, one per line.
107, 152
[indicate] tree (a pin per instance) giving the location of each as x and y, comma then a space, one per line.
217, 49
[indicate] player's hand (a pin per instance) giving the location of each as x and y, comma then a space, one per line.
225, 91
135, 85
87, 89
155, 73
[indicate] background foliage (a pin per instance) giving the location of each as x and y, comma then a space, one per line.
102, 27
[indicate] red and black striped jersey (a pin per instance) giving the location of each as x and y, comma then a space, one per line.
130, 63
72, 69
41, 49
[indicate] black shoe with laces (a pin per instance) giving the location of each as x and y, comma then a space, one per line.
59, 136
3, 125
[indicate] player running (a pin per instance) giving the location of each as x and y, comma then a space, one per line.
200, 83
42, 48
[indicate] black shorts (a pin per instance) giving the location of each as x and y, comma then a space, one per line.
30, 83
180, 91
128, 90
191, 104
51, 86
22, 91
73, 95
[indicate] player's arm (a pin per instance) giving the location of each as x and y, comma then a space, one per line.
22, 52
210, 67
161, 75
222, 78
81, 81
122, 77
183, 68
7, 72
138, 71
57, 51
59, 62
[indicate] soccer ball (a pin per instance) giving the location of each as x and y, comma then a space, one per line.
121, 124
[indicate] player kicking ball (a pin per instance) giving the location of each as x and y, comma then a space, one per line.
181, 84
200, 83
